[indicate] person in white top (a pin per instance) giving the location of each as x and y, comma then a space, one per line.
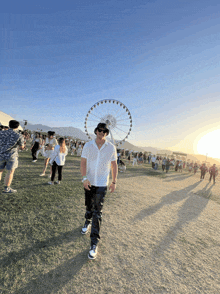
79, 150
153, 159
135, 162
98, 157
57, 160
50, 143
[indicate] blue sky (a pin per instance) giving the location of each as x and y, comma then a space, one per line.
160, 58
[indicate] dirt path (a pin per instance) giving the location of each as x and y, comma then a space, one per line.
165, 239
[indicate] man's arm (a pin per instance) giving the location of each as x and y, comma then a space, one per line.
21, 143
83, 167
114, 167
86, 183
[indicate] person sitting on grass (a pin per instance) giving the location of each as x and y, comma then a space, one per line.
57, 160
9, 141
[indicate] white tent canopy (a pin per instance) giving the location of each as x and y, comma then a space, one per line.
5, 118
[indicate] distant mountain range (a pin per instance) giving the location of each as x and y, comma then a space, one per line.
79, 134
62, 131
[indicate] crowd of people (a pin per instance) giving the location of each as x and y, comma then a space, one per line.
98, 157
166, 163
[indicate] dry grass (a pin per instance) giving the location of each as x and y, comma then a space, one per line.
159, 234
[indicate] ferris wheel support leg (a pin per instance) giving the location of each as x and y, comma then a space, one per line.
112, 138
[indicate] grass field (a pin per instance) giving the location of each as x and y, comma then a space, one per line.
43, 251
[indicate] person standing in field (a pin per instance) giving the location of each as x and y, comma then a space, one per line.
36, 144
98, 156
135, 162
164, 163
50, 143
213, 171
9, 141
203, 169
153, 159
168, 164
195, 167
57, 160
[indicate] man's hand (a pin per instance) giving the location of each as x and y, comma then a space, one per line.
112, 187
87, 184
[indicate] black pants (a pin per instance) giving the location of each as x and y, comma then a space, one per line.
203, 174
54, 168
34, 150
212, 175
94, 200
163, 167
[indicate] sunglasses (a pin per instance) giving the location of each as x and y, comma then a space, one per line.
101, 130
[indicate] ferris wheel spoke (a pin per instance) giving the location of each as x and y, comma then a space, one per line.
95, 115
118, 111
123, 114
123, 119
124, 125
92, 120
118, 134
92, 126
120, 130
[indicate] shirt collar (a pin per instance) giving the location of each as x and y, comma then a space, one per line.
94, 143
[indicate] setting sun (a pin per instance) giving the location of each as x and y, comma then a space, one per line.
210, 144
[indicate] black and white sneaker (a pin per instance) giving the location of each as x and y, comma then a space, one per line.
85, 228
9, 190
93, 252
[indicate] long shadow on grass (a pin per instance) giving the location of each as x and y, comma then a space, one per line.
56, 279
169, 199
179, 177
15, 256
190, 210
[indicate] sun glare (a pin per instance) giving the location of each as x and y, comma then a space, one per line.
210, 144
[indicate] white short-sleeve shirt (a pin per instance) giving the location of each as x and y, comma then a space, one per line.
98, 162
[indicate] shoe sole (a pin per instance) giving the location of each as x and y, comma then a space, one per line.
91, 258
84, 233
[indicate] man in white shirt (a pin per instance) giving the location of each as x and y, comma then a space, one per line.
98, 157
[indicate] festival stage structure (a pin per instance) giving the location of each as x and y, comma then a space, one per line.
5, 118
180, 156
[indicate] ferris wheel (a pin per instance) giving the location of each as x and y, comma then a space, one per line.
113, 113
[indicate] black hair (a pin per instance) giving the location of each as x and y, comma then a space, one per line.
51, 133
102, 125
14, 124
60, 140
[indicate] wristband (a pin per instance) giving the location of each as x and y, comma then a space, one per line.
84, 179
114, 183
